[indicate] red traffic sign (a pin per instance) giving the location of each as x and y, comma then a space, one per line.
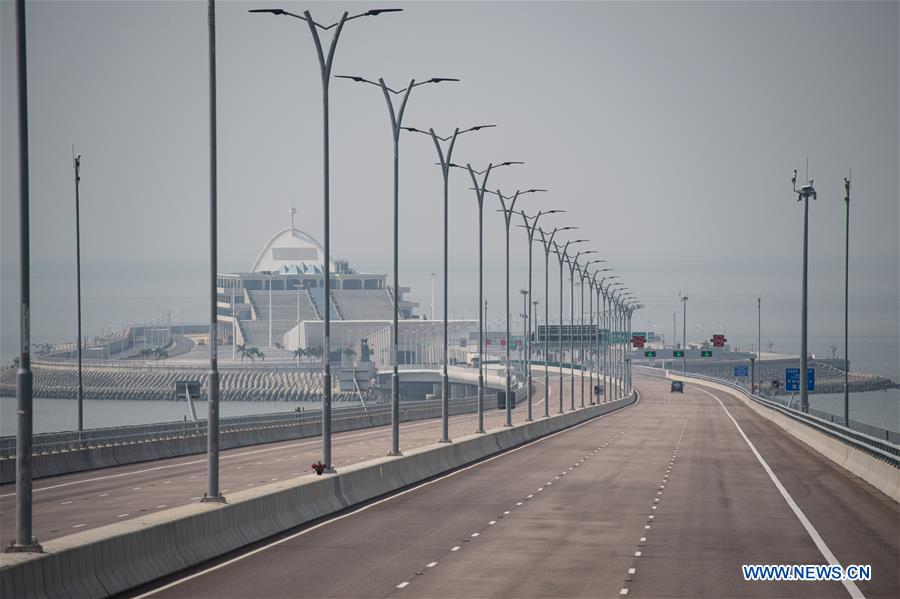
718, 340
638, 341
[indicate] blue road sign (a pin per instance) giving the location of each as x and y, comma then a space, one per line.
741, 371
792, 379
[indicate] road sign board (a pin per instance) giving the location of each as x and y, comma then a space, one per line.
678, 353
650, 353
637, 341
706, 353
791, 379
741, 370
718, 340
810, 379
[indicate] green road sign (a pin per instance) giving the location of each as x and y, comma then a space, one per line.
706, 353
650, 353
678, 353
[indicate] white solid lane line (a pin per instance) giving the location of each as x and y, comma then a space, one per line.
810, 529
375, 504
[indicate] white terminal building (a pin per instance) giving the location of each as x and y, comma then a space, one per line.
281, 302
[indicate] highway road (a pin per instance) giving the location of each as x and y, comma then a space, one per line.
81, 501
667, 498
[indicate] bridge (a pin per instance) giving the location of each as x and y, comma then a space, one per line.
653, 494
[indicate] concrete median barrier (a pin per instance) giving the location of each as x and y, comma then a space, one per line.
120, 556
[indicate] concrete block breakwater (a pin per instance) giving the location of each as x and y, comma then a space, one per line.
60, 381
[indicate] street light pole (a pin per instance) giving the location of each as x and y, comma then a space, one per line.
76, 162
573, 266
562, 255
547, 242
396, 118
508, 212
803, 194
582, 272
212, 379
480, 190
530, 227
445, 157
684, 299
325, 64
24, 542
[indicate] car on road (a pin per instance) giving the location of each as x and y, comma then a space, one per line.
677, 387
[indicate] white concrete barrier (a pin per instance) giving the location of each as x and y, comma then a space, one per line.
878, 473
120, 556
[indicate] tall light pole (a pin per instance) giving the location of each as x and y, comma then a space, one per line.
508, 211
480, 189
396, 118
594, 287
212, 379
24, 541
445, 156
76, 163
847, 304
582, 272
758, 341
573, 266
803, 195
683, 298
607, 322
531, 225
325, 64
548, 244
562, 255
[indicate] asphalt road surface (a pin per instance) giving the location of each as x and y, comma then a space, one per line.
663, 499
76, 502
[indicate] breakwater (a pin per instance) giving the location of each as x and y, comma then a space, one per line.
144, 382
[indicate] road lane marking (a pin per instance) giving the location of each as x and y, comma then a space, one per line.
402, 585
122, 515
65, 503
78, 526
431, 565
375, 504
810, 529
455, 548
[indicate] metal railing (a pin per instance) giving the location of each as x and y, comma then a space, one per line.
880, 448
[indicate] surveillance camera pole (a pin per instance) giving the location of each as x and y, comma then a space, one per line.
847, 305
803, 195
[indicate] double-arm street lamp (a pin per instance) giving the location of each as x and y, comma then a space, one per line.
531, 225
396, 116
583, 275
508, 211
563, 256
607, 322
803, 195
593, 286
445, 156
480, 189
325, 64
547, 242
573, 266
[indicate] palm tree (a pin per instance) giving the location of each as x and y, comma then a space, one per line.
241, 348
298, 353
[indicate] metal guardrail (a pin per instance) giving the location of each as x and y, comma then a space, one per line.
122, 435
879, 448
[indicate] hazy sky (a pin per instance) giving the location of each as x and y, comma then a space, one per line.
668, 131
